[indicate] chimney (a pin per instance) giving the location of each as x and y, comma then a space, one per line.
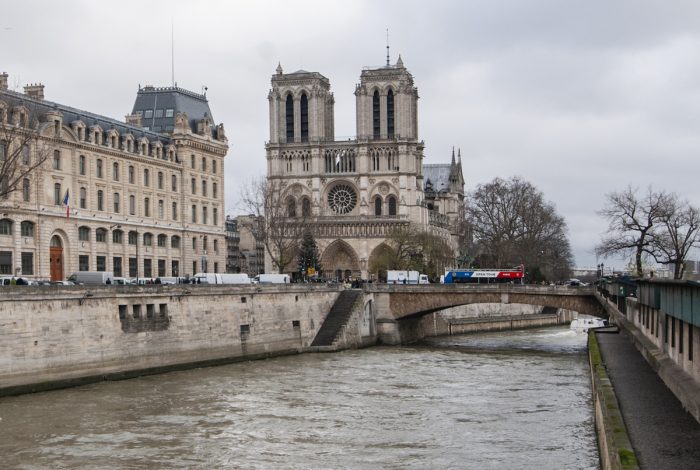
35, 91
134, 119
3, 81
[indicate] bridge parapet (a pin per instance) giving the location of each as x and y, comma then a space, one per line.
396, 302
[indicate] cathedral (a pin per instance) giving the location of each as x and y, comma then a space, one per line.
356, 192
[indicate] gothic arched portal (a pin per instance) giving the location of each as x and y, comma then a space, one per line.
340, 261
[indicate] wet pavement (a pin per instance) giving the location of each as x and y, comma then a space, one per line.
663, 434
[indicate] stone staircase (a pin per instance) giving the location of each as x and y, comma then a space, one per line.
337, 318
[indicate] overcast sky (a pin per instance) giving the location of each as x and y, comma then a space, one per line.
579, 98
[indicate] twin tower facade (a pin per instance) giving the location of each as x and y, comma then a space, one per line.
355, 192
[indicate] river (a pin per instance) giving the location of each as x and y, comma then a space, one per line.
507, 400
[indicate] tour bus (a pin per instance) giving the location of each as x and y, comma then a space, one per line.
484, 276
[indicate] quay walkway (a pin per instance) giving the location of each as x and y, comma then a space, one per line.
662, 433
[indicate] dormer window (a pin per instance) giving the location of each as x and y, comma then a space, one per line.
57, 128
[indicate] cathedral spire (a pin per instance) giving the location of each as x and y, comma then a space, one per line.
453, 155
279, 68
399, 63
459, 156
387, 47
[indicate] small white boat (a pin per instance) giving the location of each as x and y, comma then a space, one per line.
582, 325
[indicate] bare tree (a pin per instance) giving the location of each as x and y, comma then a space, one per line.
273, 224
631, 223
512, 224
679, 232
411, 249
22, 153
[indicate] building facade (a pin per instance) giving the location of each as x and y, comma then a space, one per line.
245, 254
143, 198
356, 192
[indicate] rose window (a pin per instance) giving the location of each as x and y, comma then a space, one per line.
342, 199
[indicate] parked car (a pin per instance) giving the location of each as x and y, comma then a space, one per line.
62, 283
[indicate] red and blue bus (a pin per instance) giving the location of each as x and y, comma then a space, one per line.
485, 276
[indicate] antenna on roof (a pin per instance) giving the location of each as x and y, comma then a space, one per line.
172, 48
387, 47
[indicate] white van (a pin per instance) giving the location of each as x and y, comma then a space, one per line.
216, 278
92, 277
271, 279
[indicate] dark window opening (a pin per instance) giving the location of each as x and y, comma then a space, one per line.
137, 311
150, 310
163, 310
289, 112
122, 312
375, 115
304, 118
392, 205
296, 324
243, 300
390, 113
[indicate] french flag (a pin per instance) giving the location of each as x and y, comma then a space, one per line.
66, 203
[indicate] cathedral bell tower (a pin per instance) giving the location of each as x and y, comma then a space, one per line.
387, 103
301, 108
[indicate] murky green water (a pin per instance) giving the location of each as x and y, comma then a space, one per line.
516, 400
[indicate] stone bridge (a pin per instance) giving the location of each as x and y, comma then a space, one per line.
402, 304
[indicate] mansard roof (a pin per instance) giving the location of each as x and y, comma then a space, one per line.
70, 114
150, 98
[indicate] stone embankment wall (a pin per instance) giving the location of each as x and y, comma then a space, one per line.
661, 345
616, 450
56, 337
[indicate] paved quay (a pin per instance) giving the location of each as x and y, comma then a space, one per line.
662, 433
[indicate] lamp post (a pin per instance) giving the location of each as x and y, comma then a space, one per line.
110, 252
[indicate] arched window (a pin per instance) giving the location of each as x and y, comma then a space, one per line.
146, 177
147, 239
133, 237
132, 205
162, 240
26, 190
375, 114
392, 205
115, 171
5, 227
83, 198
291, 208
117, 201
390, 113
304, 118
118, 237
289, 114
378, 206
101, 235
100, 200
99, 168
84, 234
57, 198
147, 207
56, 159
131, 174
27, 228
306, 207
175, 241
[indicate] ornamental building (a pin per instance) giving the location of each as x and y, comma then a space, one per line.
355, 192
142, 198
